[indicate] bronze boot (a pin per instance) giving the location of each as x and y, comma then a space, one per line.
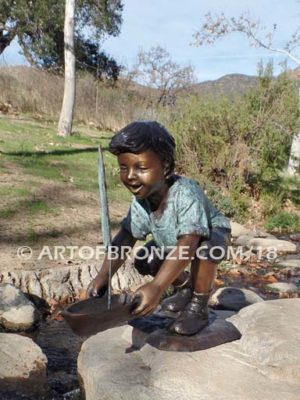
180, 299
194, 317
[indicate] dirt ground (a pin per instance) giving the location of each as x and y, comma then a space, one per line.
73, 222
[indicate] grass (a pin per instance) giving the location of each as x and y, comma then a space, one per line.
35, 147
30, 206
14, 191
283, 221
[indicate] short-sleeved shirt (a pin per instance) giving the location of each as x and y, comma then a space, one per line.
187, 211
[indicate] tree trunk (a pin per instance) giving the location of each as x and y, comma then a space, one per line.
66, 115
294, 160
294, 155
5, 38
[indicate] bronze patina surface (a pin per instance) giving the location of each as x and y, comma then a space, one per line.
219, 331
216, 333
91, 316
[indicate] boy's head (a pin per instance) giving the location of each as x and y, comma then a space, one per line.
140, 136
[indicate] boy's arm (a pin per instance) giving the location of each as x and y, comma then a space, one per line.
151, 292
99, 284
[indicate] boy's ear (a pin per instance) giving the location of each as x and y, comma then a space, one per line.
166, 169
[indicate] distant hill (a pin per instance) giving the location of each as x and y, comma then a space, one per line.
228, 85
234, 84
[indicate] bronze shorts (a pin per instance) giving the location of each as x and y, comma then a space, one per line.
213, 249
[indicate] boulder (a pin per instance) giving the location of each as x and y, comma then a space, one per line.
231, 298
282, 287
295, 237
241, 234
17, 313
243, 240
263, 364
238, 230
291, 263
67, 282
262, 234
281, 246
22, 367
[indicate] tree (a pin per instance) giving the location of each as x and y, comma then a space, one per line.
96, 62
155, 68
217, 26
66, 116
39, 27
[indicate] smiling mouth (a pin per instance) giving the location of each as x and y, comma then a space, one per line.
135, 188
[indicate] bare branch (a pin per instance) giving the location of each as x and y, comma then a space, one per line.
218, 26
156, 69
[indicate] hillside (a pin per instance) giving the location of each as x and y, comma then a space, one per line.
228, 85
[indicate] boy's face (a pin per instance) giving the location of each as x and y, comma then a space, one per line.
143, 174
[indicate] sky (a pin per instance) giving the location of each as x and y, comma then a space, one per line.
172, 23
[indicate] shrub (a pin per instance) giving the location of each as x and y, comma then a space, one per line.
240, 145
283, 221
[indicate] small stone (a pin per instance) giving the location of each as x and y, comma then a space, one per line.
289, 271
232, 298
282, 287
17, 313
270, 278
218, 282
234, 272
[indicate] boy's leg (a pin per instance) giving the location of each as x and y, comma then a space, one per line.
204, 273
195, 315
147, 262
183, 294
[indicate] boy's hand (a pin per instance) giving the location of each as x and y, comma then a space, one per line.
149, 295
96, 288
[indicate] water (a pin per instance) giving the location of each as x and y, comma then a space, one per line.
61, 346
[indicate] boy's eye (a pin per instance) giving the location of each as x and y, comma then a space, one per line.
122, 169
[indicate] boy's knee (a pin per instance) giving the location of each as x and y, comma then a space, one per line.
141, 266
145, 262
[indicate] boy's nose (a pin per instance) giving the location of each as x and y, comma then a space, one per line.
131, 174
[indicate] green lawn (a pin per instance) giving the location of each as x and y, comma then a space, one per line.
33, 148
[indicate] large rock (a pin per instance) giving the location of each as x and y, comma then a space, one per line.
22, 367
282, 287
67, 282
232, 298
243, 240
281, 246
17, 313
291, 263
263, 364
238, 230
